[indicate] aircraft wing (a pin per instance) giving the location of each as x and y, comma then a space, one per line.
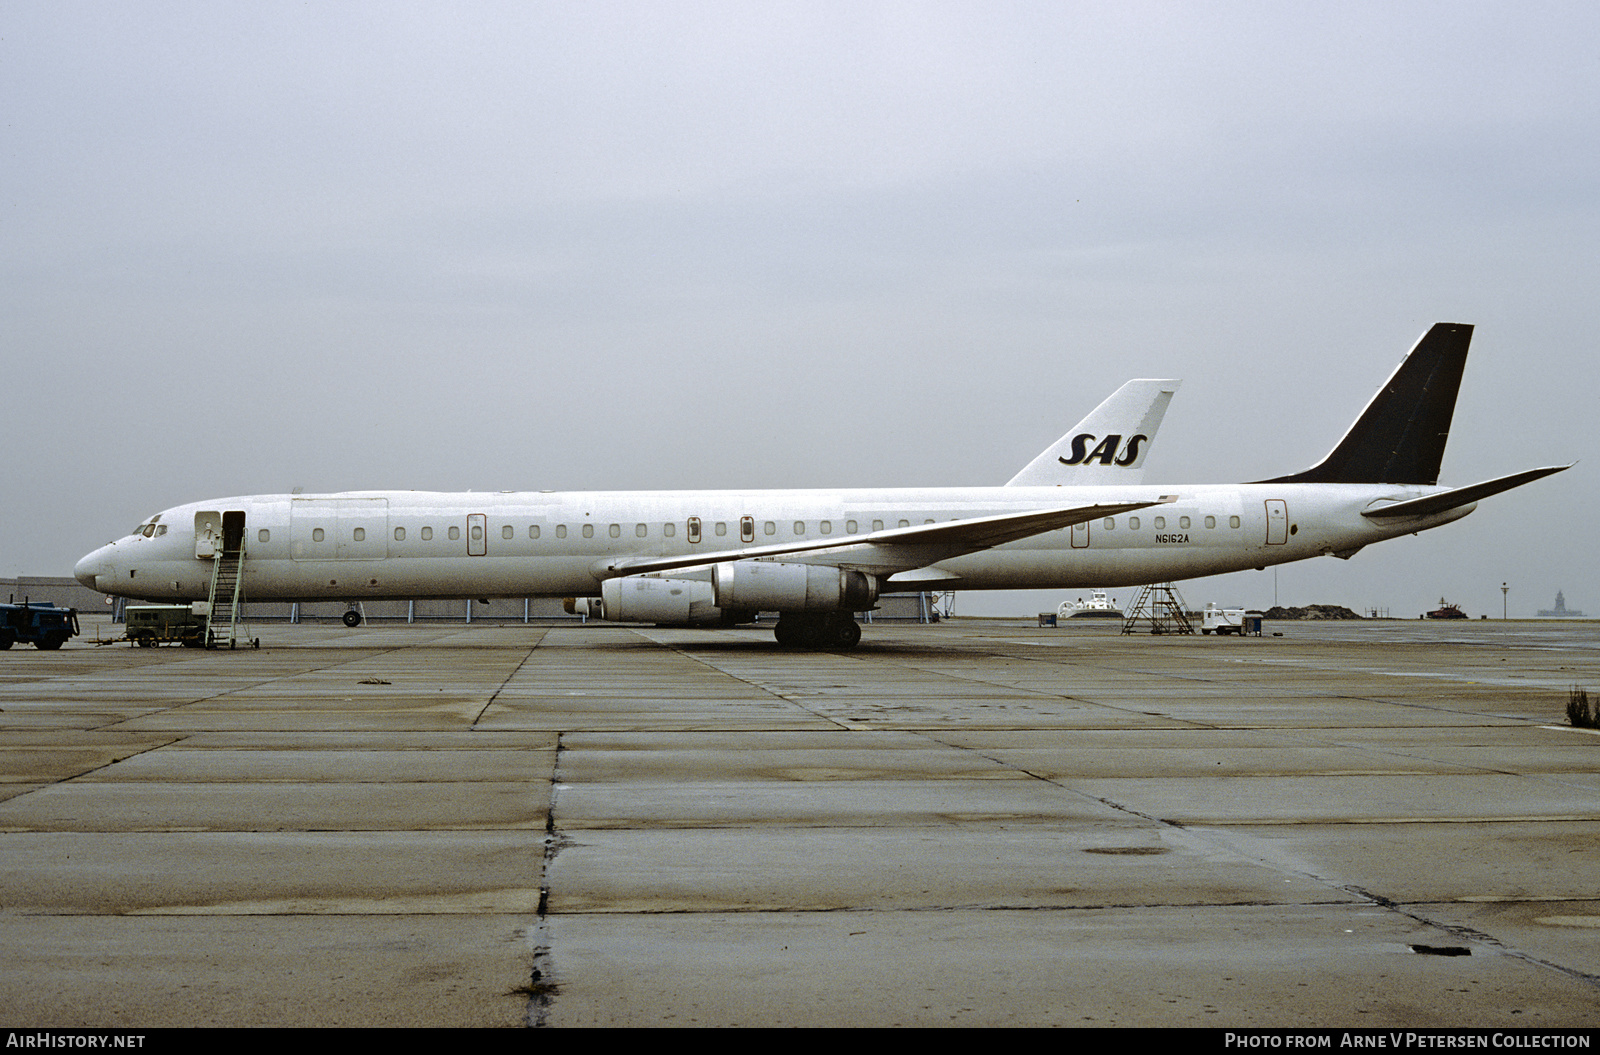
893, 549
1460, 496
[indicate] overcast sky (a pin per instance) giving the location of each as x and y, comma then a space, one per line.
258, 246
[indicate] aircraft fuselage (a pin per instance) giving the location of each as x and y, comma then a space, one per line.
368, 545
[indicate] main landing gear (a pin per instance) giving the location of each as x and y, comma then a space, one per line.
817, 630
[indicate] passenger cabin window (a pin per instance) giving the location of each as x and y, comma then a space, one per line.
799, 527
264, 535
1110, 524
877, 525
561, 531
1161, 523
616, 531
533, 530
427, 534
399, 534
507, 531
850, 527
477, 532
359, 534
669, 529
826, 527
905, 523
1233, 522
1133, 523
454, 532
1183, 522
1211, 522
588, 531
722, 527
769, 528
316, 534
747, 529
640, 530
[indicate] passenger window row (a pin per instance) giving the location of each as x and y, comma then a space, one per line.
695, 530
1160, 523
719, 529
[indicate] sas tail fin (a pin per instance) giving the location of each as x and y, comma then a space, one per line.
1108, 446
1400, 437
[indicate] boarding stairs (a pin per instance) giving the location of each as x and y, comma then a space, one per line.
227, 595
1162, 607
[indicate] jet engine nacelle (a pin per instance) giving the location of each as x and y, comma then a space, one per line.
774, 586
642, 599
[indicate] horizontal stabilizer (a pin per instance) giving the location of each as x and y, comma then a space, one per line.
1460, 496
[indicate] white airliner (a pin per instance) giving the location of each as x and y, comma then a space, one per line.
1075, 517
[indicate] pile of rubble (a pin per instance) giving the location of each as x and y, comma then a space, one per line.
1311, 611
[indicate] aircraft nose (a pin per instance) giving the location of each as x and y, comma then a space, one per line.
89, 567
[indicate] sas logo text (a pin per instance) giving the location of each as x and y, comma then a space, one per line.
1106, 452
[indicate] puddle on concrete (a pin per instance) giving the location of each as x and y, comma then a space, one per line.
1569, 921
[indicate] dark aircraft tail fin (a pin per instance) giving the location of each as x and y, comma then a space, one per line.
1399, 438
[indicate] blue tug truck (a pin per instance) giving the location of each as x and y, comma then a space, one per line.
42, 623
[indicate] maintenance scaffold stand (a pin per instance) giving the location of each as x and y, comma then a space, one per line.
1162, 607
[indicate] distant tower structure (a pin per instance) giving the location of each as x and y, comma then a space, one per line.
1561, 611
